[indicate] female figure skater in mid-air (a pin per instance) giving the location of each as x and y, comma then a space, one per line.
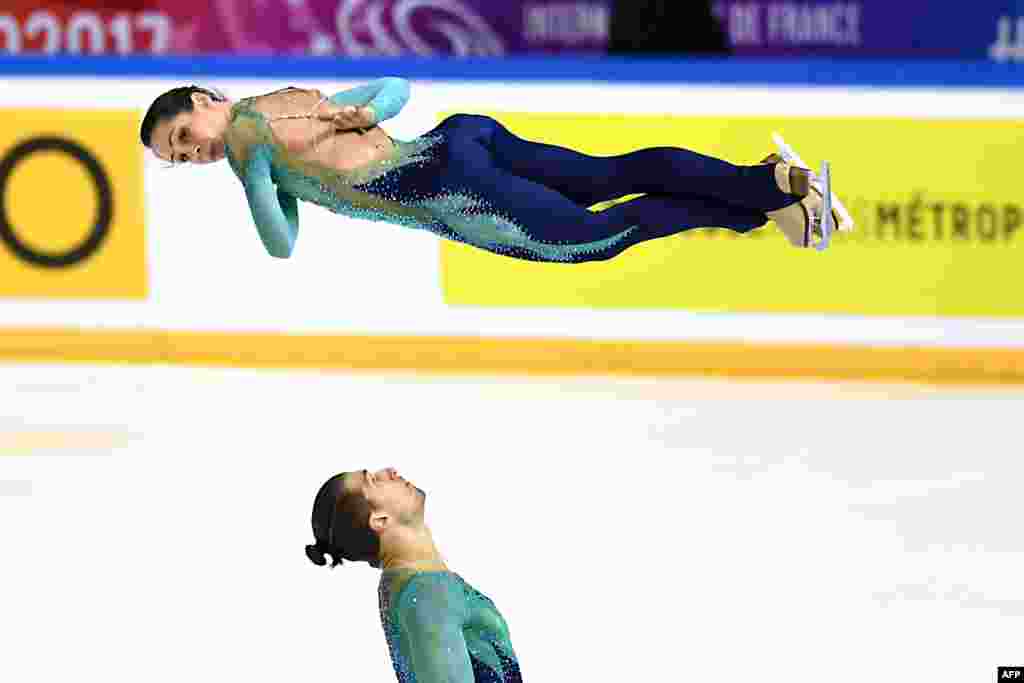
439, 629
470, 179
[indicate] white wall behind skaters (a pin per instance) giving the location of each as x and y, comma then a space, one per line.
209, 270
627, 530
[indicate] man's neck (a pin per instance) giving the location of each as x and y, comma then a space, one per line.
411, 548
424, 557
437, 564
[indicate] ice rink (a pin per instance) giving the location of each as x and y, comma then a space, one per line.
152, 523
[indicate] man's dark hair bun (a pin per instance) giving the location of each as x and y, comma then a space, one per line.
341, 529
315, 555
318, 555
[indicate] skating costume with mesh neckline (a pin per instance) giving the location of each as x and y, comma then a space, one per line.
470, 180
440, 629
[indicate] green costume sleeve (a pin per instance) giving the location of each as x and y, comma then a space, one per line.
432, 615
387, 96
274, 211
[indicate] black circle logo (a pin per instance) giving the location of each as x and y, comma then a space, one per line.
104, 193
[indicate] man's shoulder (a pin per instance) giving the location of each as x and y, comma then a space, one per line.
408, 584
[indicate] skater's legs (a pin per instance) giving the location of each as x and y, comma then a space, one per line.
547, 216
666, 171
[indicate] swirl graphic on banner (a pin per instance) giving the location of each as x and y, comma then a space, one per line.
421, 27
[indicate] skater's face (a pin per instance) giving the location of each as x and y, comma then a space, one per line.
195, 137
387, 492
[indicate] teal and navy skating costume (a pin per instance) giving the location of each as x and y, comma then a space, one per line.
442, 630
472, 181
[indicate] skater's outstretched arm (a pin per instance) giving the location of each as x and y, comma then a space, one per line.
432, 625
384, 97
275, 212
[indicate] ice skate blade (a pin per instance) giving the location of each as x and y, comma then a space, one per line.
825, 220
789, 155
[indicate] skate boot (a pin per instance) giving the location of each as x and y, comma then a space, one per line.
773, 159
810, 221
843, 220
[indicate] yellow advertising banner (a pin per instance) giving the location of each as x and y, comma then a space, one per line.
937, 204
72, 221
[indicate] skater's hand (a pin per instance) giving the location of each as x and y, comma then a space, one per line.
352, 118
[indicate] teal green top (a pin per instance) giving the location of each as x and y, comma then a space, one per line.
440, 629
274, 178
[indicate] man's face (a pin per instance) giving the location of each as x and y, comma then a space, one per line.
195, 136
389, 493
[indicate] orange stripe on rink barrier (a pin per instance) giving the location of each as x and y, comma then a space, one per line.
519, 356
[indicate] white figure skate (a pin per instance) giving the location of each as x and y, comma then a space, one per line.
833, 203
811, 221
